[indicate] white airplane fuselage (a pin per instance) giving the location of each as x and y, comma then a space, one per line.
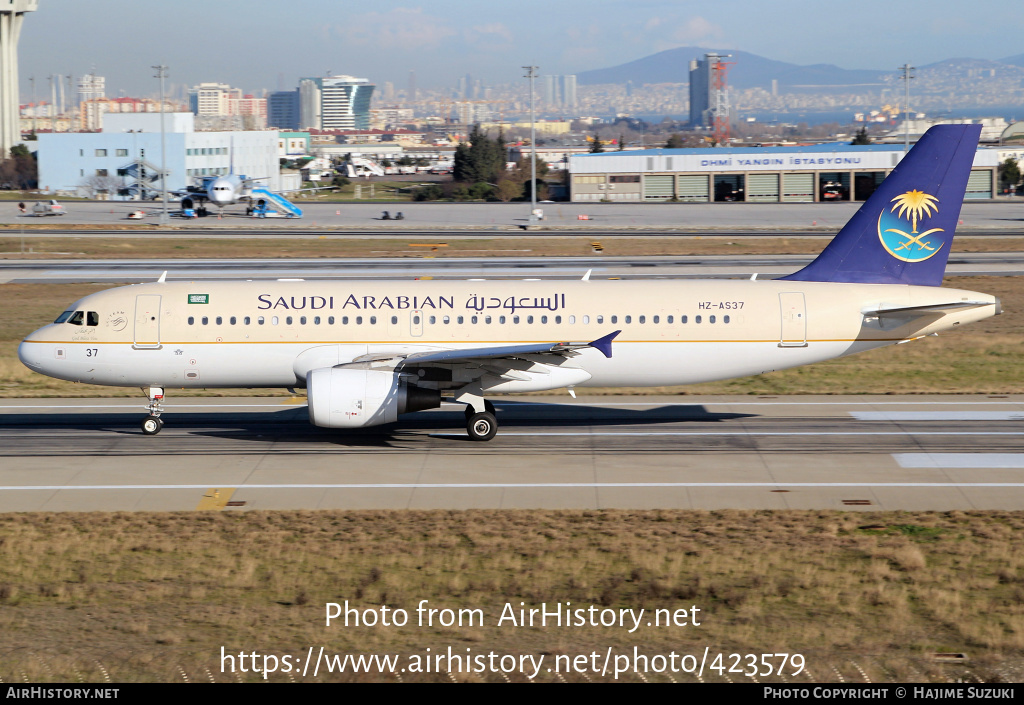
226, 190
273, 333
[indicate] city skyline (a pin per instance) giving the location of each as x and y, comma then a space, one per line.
444, 40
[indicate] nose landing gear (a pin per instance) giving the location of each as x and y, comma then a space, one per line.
152, 424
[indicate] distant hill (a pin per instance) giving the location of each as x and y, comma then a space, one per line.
750, 71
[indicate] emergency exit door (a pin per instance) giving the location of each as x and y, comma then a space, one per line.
794, 320
147, 321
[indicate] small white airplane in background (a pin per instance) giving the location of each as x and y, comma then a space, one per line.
367, 351
229, 189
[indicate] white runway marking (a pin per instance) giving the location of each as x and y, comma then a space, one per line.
506, 485
938, 415
744, 432
960, 460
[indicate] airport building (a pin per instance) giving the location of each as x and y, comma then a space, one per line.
826, 172
92, 164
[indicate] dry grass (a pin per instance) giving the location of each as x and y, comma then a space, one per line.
146, 593
543, 245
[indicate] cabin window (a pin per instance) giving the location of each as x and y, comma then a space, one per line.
233, 320
460, 320
92, 318
373, 320
64, 317
600, 319
487, 320
629, 319
77, 318
669, 319
261, 320
316, 320
247, 320
288, 320
359, 320
473, 319
273, 320
205, 320
683, 319
501, 319
394, 320
330, 320
615, 319
446, 320
220, 321
344, 320
696, 319
529, 319
586, 320
515, 319
725, 319
433, 320
655, 319
191, 320
543, 319
558, 319
572, 319
711, 319
643, 319
415, 320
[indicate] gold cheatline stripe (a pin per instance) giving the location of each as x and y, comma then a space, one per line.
447, 342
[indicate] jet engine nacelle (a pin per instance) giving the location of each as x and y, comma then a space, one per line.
342, 397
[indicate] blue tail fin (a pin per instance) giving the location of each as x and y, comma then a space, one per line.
903, 232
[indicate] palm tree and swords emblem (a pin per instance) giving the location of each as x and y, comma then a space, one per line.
913, 246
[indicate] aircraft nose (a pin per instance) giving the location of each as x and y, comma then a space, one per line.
31, 353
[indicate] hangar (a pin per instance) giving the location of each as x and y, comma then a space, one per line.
824, 172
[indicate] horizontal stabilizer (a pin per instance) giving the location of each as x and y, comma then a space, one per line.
931, 308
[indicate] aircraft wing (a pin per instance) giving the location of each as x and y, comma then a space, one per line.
603, 344
499, 358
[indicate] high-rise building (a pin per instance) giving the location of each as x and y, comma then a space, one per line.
551, 93
283, 110
569, 91
701, 91
91, 87
335, 103
212, 98
411, 90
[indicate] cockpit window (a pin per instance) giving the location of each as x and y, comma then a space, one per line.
92, 318
64, 317
77, 318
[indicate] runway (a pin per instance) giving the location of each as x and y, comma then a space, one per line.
235, 454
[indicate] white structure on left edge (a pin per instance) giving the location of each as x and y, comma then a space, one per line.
12, 12
104, 164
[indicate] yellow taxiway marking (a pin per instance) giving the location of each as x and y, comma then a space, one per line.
294, 400
216, 499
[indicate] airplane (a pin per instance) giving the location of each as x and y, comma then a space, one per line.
368, 351
231, 188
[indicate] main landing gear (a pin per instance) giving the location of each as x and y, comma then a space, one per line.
481, 425
152, 424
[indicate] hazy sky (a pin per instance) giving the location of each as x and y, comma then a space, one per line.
263, 44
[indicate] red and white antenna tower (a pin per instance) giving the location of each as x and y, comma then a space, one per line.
720, 111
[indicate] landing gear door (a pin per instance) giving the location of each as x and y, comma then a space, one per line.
794, 320
147, 321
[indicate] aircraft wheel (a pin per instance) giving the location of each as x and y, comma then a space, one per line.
482, 427
151, 425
